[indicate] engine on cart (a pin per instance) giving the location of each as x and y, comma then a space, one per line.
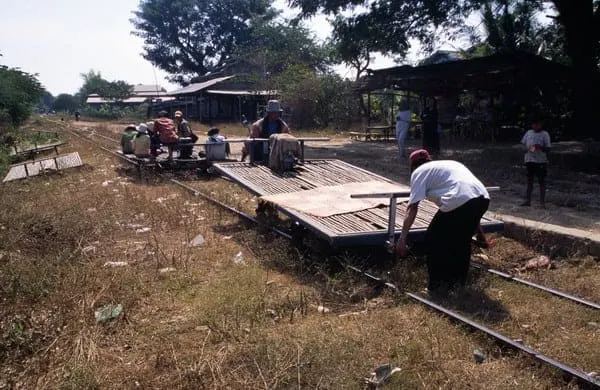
284, 152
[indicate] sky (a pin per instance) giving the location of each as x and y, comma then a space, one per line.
61, 39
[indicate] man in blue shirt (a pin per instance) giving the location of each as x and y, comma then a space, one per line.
264, 128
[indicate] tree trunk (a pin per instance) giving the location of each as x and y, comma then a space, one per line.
361, 105
581, 35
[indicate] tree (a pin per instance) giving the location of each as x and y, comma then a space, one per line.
65, 102
189, 38
581, 22
394, 22
19, 93
275, 48
512, 25
352, 43
45, 102
94, 83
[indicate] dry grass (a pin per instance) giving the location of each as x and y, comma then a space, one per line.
213, 323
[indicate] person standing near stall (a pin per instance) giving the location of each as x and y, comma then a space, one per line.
403, 121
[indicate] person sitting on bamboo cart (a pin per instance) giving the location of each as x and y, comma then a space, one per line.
264, 128
216, 147
167, 132
128, 134
185, 133
141, 143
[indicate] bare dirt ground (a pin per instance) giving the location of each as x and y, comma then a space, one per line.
207, 317
573, 180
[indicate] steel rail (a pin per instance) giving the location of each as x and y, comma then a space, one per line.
198, 193
239, 213
498, 273
103, 136
581, 377
504, 275
561, 294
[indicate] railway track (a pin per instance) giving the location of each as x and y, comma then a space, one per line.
583, 379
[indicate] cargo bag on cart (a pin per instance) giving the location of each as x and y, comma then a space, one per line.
284, 152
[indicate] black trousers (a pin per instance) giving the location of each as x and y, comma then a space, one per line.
448, 241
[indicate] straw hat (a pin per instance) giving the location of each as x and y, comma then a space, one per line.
142, 128
273, 106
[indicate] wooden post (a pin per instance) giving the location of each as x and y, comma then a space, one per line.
302, 151
391, 225
392, 121
369, 109
209, 110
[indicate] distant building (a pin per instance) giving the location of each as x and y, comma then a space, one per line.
215, 99
149, 90
141, 94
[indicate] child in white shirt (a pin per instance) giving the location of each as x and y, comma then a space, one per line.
537, 142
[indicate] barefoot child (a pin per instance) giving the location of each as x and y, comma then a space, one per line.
537, 142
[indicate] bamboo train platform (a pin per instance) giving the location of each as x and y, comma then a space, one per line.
366, 226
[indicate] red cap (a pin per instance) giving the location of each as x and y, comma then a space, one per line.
419, 154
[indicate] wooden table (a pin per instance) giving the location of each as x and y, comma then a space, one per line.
375, 131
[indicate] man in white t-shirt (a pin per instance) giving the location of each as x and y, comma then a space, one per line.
462, 200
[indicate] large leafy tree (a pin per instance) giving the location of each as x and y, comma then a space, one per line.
512, 25
45, 102
394, 22
277, 48
189, 38
19, 93
65, 102
352, 42
94, 83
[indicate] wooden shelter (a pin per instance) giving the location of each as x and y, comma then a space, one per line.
215, 99
489, 73
517, 79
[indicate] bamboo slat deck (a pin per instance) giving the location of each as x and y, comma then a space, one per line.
358, 228
34, 168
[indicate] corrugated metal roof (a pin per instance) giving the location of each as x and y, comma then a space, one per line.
147, 88
241, 92
95, 99
197, 87
134, 100
164, 99
150, 93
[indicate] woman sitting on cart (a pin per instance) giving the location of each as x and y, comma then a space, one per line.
216, 147
264, 128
